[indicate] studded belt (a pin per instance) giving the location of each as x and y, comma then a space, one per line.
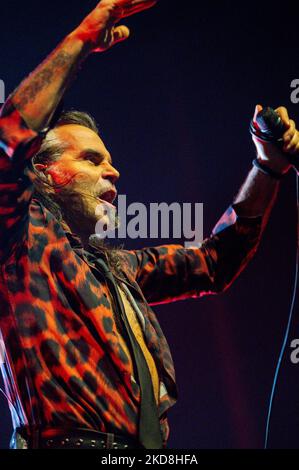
53, 438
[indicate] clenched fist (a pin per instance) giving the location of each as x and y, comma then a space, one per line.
270, 154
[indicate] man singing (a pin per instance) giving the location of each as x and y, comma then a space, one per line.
86, 362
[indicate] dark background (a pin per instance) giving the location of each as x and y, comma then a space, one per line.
173, 105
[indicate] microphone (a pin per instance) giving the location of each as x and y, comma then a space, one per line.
270, 128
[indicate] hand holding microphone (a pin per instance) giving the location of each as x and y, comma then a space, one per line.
276, 139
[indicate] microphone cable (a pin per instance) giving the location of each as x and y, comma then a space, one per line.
287, 331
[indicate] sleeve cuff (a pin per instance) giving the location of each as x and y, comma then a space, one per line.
231, 217
15, 134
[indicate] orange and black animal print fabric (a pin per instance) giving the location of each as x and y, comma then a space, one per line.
65, 365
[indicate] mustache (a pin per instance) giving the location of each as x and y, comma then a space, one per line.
99, 188
69, 195
65, 189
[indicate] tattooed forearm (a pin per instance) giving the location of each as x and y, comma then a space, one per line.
38, 95
41, 80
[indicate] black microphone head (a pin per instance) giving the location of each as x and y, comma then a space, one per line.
270, 124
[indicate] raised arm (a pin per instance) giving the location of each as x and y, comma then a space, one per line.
38, 95
29, 109
172, 272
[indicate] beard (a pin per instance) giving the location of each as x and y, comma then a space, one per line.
69, 206
85, 214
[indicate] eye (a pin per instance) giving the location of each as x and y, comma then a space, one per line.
94, 159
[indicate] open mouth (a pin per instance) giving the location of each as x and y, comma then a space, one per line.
108, 197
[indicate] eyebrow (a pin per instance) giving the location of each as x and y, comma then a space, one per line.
96, 154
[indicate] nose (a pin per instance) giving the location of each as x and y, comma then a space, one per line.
111, 174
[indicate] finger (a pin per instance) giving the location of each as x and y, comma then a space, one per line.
257, 110
284, 116
288, 135
294, 150
132, 8
128, 3
120, 33
293, 143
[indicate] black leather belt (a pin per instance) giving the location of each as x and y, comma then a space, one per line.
74, 439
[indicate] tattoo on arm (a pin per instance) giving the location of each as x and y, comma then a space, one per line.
38, 96
42, 79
